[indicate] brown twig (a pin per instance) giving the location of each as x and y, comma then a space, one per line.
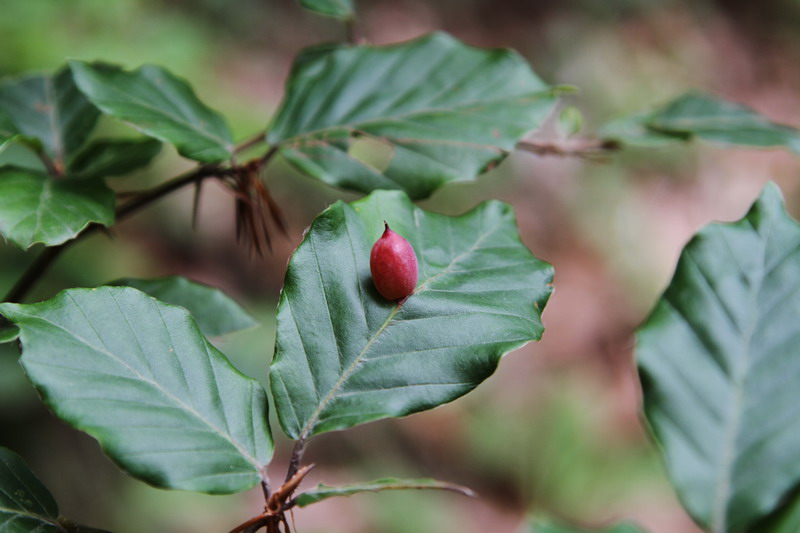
297, 456
355, 34
255, 140
583, 148
274, 515
50, 254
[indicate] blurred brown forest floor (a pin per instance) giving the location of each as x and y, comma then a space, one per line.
557, 429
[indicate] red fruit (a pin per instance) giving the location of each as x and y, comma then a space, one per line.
393, 265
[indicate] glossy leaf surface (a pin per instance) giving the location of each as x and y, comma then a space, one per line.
345, 355
340, 9
49, 109
323, 492
26, 506
158, 104
35, 208
113, 158
215, 312
441, 110
718, 358
138, 375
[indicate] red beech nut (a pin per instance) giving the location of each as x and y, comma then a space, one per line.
393, 265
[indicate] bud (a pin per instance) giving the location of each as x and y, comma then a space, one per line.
393, 265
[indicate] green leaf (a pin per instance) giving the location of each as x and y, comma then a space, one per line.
50, 109
215, 312
447, 111
113, 158
634, 131
713, 119
345, 356
25, 503
340, 9
546, 526
323, 492
718, 362
37, 208
137, 375
785, 519
158, 104
698, 115
8, 333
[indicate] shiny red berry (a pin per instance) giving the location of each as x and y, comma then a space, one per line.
393, 265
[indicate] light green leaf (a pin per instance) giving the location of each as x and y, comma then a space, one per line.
50, 109
137, 375
340, 9
718, 362
345, 356
25, 503
546, 526
113, 158
445, 110
158, 104
323, 492
214, 311
37, 208
570, 121
713, 119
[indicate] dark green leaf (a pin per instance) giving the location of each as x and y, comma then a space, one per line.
323, 492
785, 519
340, 9
138, 375
25, 503
445, 110
546, 526
713, 119
50, 109
113, 158
214, 311
158, 104
345, 356
8, 333
7, 129
37, 208
718, 358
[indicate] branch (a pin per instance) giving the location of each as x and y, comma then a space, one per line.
297, 456
255, 140
355, 35
583, 148
50, 254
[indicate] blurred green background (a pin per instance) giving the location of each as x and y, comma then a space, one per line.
557, 429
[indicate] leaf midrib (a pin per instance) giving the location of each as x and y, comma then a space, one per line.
467, 106
34, 516
723, 485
